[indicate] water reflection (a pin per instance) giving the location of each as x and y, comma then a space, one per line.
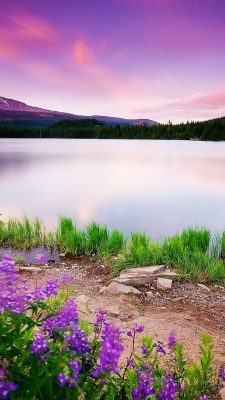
152, 186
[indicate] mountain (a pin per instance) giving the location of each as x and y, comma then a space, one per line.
13, 112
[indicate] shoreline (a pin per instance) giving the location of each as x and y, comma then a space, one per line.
195, 254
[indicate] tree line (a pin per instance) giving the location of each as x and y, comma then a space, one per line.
91, 128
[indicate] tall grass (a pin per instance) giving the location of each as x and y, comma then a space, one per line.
21, 234
194, 253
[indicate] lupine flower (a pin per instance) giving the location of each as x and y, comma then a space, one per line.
40, 344
144, 350
130, 363
111, 349
6, 388
77, 341
61, 378
67, 278
100, 320
144, 387
51, 288
203, 397
75, 365
14, 294
136, 329
66, 318
71, 382
159, 348
172, 339
96, 372
222, 374
169, 389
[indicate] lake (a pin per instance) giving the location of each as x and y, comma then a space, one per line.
158, 187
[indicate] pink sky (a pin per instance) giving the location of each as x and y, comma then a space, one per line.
157, 59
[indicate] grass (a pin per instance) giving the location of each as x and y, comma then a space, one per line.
195, 253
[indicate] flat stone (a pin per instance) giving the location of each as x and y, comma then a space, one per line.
83, 299
164, 284
30, 269
118, 288
149, 294
140, 275
113, 312
206, 288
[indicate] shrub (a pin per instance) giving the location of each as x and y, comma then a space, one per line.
46, 352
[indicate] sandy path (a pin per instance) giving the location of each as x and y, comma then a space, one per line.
189, 321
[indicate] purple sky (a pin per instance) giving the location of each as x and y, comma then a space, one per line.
157, 59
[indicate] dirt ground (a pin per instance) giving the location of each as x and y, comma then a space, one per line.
187, 309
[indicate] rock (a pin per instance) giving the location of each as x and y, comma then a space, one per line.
149, 294
140, 275
62, 255
83, 299
30, 269
206, 288
158, 294
113, 312
222, 393
102, 289
118, 288
176, 299
164, 284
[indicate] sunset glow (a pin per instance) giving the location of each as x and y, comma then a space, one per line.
157, 59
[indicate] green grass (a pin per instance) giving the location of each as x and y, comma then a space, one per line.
195, 253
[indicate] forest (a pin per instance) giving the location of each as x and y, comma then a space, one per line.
91, 128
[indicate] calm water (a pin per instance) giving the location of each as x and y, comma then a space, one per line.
153, 186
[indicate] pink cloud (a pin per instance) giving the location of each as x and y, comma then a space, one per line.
83, 53
33, 28
197, 106
22, 30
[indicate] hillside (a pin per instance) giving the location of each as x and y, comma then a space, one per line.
16, 113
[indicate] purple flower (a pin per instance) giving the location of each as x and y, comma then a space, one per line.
169, 389
144, 350
61, 378
66, 318
203, 397
96, 372
77, 341
130, 363
14, 294
51, 288
100, 320
172, 339
75, 366
6, 388
222, 374
159, 348
66, 279
136, 329
111, 349
144, 387
40, 344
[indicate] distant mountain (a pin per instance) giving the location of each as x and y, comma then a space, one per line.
13, 112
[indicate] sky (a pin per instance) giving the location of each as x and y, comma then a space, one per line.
157, 59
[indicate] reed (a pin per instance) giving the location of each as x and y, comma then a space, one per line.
194, 253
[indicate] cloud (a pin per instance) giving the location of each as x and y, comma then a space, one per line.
200, 102
83, 53
21, 31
